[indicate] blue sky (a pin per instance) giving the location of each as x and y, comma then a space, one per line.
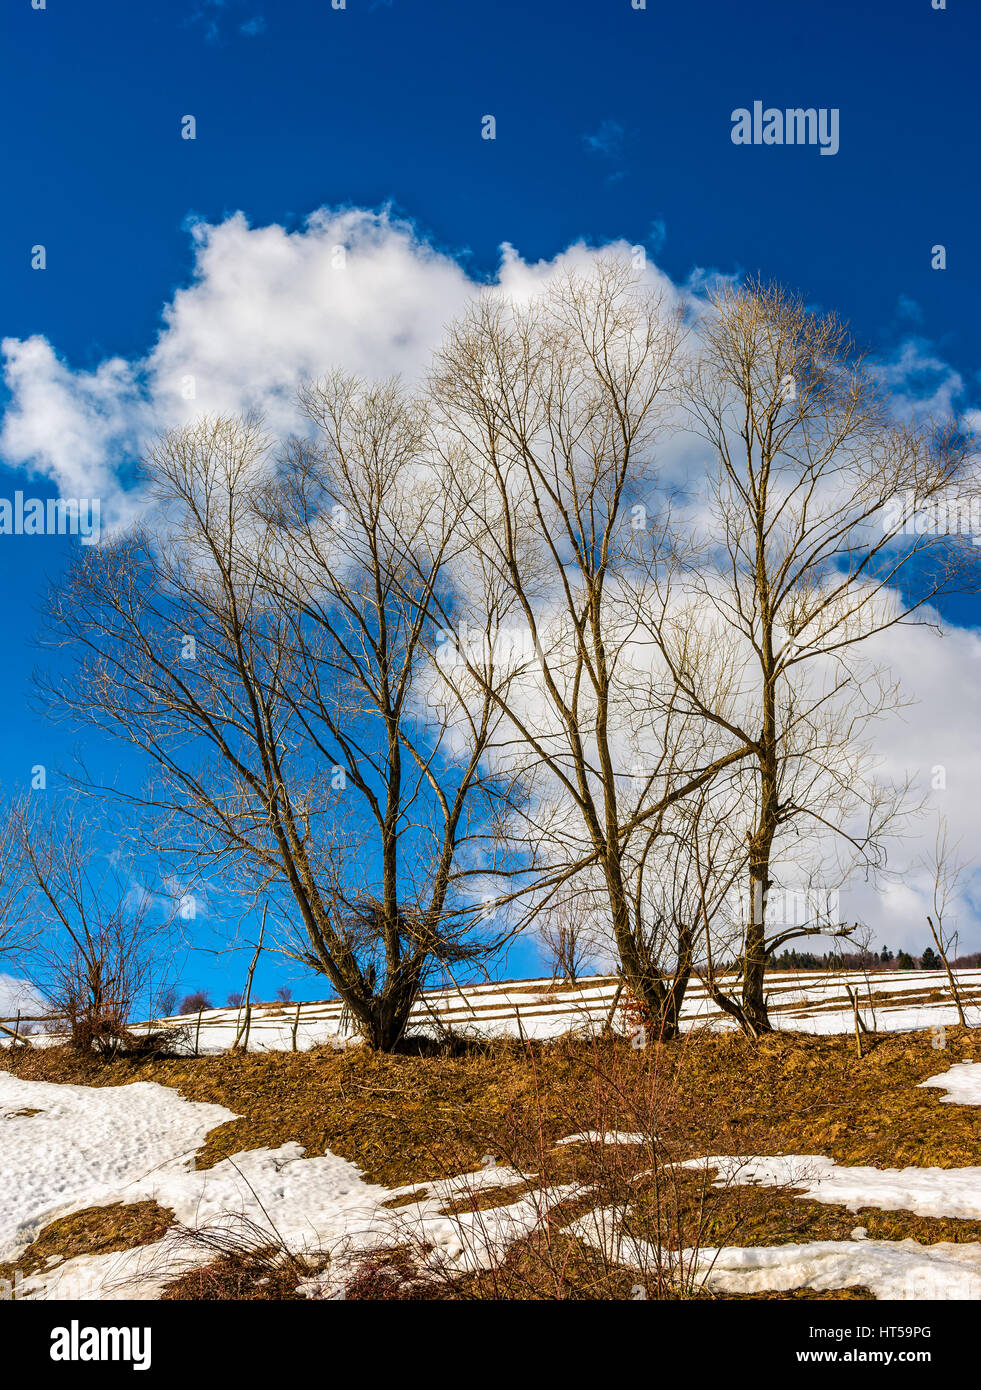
383, 101
611, 122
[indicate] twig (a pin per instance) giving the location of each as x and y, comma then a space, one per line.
248, 985
859, 1025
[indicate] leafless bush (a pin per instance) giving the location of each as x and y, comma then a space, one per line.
244, 1259
95, 984
612, 1215
586, 1199
947, 872
98, 953
195, 1002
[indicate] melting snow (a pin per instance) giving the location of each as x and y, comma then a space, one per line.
962, 1084
610, 1136
94, 1146
91, 1146
924, 1191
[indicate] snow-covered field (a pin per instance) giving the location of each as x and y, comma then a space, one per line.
806, 1002
66, 1148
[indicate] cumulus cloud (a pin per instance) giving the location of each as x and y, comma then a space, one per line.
934, 739
264, 310
920, 380
76, 428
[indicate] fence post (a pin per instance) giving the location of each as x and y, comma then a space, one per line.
296, 1024
197, 1032
608, 1025
853, 996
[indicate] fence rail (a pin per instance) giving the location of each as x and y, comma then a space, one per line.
34, 1018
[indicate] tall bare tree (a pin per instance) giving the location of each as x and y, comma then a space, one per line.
805, 562
548, 414
17, 928
259, 640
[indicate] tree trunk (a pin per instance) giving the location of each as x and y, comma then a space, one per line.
754, 963
660, 1001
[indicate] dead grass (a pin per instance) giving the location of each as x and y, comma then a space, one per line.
234, 1278
94, 1231
756, 1215
410, 1119
395, 1116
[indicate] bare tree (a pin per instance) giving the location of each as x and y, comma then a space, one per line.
245, 999
259, 639
796, 564
368, 590
569, 931
17, 930
102, 946
548, 414
947, 872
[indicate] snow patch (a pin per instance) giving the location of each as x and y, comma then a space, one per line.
962, 1084
925, 1191
91, 1146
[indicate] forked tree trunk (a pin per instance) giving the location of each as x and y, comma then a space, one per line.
659, 998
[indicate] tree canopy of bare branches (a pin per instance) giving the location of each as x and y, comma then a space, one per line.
549, 416
260, 642
455, 650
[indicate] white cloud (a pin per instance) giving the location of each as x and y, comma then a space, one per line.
264, 310
16, 994
75, 428
920, 380
936, 740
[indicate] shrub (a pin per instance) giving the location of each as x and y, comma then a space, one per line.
193, 1003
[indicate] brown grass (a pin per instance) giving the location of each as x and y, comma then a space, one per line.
94, 1231
410, 1119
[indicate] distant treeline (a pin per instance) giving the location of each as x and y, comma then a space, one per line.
869, 960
